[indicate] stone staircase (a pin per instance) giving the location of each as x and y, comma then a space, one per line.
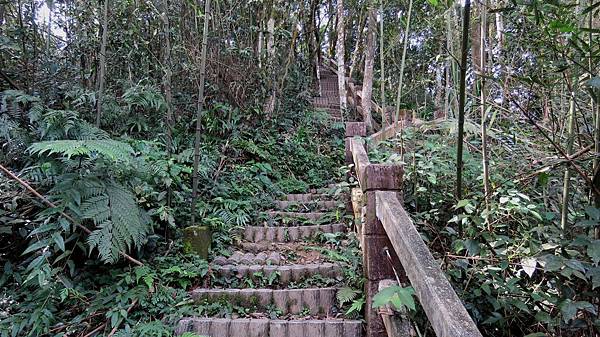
330, 97
276, 273
276, 262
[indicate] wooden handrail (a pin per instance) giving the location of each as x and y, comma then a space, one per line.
442, 306
386, 220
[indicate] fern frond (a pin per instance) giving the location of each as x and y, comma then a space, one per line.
346, 294
127, 226
86, 131
96, 208
110, 149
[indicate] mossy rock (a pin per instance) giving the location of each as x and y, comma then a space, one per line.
197, 240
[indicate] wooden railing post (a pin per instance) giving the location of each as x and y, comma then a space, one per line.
353, 129
379, 259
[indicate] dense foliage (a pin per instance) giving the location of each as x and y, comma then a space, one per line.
516, 269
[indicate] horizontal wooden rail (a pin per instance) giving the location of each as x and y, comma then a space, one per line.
444, 309
384, 223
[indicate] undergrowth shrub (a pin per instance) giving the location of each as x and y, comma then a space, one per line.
514, 267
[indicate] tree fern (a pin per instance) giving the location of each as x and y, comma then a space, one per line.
121, 225
110, 149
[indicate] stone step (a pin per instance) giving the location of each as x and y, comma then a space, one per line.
287, 273
304, 197
315, 301
326, 205
313, 216
247, 327
238, 257
288, 234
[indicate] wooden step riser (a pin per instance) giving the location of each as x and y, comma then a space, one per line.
287, 273
269, 328
316, 301
289, 234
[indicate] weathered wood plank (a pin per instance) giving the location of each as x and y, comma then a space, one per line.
384, 134
354, 129
383, 177
445, 311
361, 160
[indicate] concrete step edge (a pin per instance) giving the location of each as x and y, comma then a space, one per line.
287, 273
318, 301
248, 327
284, 233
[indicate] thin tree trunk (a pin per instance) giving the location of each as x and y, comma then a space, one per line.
382, 70
340, 53
24, 56
461, 104
316, 44
49, 28
402, 64
332, 36
484, 141
271, 37
359, 37
167, 74
367, 86
102, 64
259, 45
447, 63
564, 212
199, 110
168, 92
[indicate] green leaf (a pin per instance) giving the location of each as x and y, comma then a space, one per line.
551, 262
37, 245
395, 295
60, 242
594, 274
593, 251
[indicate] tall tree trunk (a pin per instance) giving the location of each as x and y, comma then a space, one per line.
332, 36
167, 74
367, 86
461, 103
271, 36
24, 55
403, 62
564, 212
448, 63
315, 44
483, 29
260, 42
359, 37
340, 53
384, 120
49, 27
200, 107
102, 64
